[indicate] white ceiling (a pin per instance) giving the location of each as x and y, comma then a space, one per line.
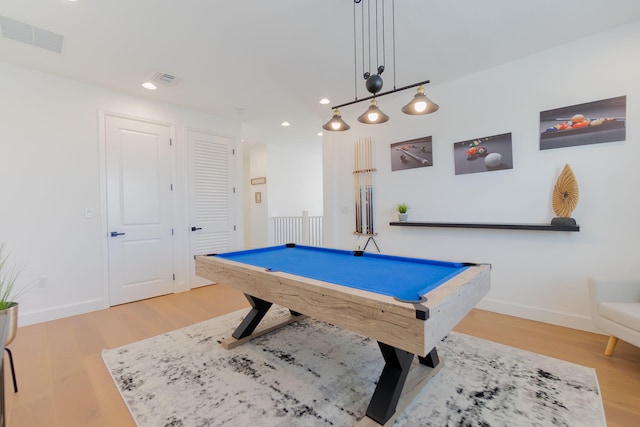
265, 61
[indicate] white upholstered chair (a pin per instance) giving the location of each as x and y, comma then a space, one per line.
615, 308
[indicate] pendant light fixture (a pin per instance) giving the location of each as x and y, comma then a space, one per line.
373, 115
336, 123
375, 21
420, 104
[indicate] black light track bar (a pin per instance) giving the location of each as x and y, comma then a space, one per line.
381, 94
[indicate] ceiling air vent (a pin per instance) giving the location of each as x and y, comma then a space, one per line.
164, 78
25, 33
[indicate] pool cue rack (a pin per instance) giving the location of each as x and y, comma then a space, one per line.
364, 191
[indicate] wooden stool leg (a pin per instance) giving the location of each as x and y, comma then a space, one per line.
611, 345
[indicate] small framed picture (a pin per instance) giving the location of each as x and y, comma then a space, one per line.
258, 197
415, 153
489, 153
257, 181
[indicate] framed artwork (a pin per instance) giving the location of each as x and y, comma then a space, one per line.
415, 153
489, 153
257, 181
582, 124
258, 197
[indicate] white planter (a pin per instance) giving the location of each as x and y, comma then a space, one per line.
403, 217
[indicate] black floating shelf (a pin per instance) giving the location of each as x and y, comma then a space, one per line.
540, 227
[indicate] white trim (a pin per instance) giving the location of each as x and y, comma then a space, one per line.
102, 153
569, 320
236, 213
104, 243
60, 311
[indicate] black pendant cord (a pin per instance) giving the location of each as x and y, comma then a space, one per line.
363, 39
393, 39
384, 43
377, 33
380, 68
355, 51
368, 35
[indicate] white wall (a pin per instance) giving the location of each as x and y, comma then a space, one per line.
49, 174
540, 275
258, 211
294, 184
295, 179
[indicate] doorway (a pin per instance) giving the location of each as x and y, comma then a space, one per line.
139, 199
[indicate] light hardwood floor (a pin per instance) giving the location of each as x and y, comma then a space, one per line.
63, 382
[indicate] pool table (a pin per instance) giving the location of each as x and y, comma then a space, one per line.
406, 304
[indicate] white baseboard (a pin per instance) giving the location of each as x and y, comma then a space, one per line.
37, 316
569, 320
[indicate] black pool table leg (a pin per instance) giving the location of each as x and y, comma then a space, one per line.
259, 308
385, 398
394, 375
431, 359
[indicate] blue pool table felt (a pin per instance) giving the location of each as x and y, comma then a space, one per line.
406, 279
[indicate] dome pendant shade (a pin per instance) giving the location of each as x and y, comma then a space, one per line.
373, 115
420, 104
336, 124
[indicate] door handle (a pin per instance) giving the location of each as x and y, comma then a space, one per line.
116, 234
196, 228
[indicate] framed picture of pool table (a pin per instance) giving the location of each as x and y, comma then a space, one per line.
414, 153
489, 153
582, 124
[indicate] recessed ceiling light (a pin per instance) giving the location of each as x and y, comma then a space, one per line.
285, 124
149, 85
324, 101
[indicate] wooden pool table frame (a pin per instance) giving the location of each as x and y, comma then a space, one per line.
401, 329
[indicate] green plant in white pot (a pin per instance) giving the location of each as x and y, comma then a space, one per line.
8, 303
402, 209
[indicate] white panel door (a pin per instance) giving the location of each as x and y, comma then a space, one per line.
211, 196
139, 209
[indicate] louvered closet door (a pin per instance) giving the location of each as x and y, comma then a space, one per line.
211, 196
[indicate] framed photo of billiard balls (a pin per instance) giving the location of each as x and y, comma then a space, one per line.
414, 153
489, 153
582, 124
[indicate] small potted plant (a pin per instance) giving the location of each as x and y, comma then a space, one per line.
8, 304
8, 279
402, 209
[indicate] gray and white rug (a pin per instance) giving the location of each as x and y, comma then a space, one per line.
311, 373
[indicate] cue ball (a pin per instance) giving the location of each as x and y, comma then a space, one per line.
493, 159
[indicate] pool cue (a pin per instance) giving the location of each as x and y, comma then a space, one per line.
370, 183
359, 204
359, 196
370, 207
366, 189
363, 185
356, 187
363, 194
420, 159
357, 191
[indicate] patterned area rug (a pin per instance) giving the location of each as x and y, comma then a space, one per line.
311, 373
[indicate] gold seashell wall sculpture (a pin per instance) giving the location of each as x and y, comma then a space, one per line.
565, 193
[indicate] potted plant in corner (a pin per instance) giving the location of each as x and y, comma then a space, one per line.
8, 304
402, 209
